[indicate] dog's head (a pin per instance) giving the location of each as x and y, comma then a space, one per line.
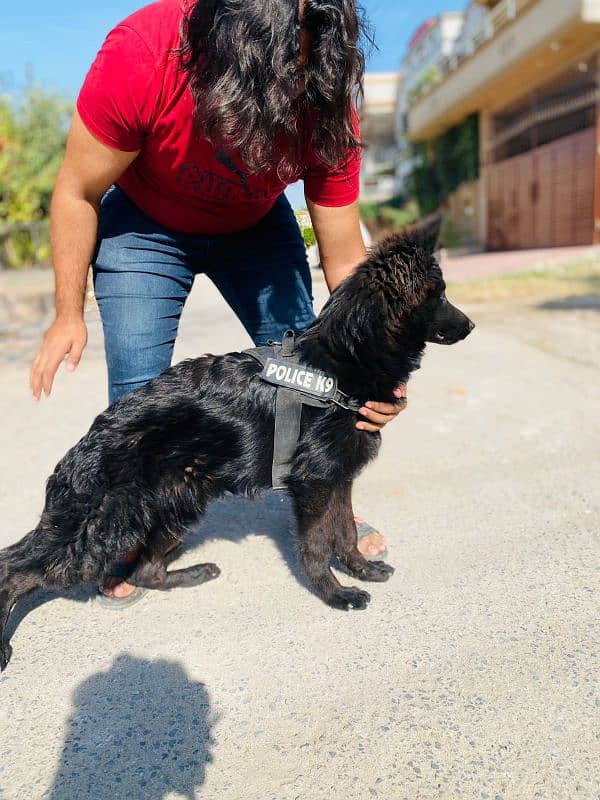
375, 325
406, 268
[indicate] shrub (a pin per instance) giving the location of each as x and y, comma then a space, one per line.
309, 237
451, 235
389, 215
33, 133
445, 163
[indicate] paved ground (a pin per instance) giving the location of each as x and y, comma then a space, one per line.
481, 265
473, 674
27, 294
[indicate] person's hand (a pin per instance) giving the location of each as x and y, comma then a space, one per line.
379, 414
64, 339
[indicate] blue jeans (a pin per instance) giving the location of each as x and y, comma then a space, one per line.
143, 274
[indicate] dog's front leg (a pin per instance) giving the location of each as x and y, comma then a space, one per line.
317, 513
346, 548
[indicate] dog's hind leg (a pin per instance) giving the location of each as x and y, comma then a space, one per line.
153, 574
346, 548
317, 511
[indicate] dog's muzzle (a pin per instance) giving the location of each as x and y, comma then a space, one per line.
449, 326
451, 337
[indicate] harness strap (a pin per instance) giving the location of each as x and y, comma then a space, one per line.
261, 354
288, 407
288, 413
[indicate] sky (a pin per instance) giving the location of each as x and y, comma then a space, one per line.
57, 41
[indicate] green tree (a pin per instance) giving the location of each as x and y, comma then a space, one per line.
33, 134
33, 131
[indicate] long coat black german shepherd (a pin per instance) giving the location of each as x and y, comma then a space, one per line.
151, 462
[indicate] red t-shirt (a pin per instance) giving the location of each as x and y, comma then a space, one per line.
135, 98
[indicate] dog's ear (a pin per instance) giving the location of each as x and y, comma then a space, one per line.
426, 234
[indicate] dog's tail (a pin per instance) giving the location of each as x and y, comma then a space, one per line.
18, 567
17, 557
18, 577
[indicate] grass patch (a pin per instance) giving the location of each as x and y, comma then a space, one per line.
548, 281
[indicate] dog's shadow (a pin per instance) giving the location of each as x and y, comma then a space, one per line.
231, 518
141, 729
234, 518
585, 302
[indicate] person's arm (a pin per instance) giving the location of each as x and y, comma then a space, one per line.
88, 170
341, 249
341, 246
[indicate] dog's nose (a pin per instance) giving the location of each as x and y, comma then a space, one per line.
471, 325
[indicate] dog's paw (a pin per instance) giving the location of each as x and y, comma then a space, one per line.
201, 573
5, 654
375, 571
349, 599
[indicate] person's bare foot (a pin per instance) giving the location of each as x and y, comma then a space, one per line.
115, 586
118, 590
370, 541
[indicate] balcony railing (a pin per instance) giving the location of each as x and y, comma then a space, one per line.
498, 18
577, 101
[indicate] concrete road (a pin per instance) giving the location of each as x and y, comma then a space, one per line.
473, 673
483, 265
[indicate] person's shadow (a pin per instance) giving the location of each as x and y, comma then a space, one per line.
139, 730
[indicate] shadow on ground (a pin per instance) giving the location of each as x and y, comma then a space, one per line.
584, 302
232, 518
141, 729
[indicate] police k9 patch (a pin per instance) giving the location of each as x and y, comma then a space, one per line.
280, 372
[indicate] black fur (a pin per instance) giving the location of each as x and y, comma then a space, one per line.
150, 463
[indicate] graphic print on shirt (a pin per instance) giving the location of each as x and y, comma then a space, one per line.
224, 159
213, 186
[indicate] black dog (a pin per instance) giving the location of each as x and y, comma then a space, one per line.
149, 465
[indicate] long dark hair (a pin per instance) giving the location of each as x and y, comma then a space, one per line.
243, 62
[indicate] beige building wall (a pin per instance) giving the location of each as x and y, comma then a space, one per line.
542, 40
464, 208
377, 114
524, 46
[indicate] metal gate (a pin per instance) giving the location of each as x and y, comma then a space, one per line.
543, 198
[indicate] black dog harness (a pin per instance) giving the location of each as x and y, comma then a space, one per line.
297, 385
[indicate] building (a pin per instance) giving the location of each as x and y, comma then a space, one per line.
434, 41
529, 72
377, 130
